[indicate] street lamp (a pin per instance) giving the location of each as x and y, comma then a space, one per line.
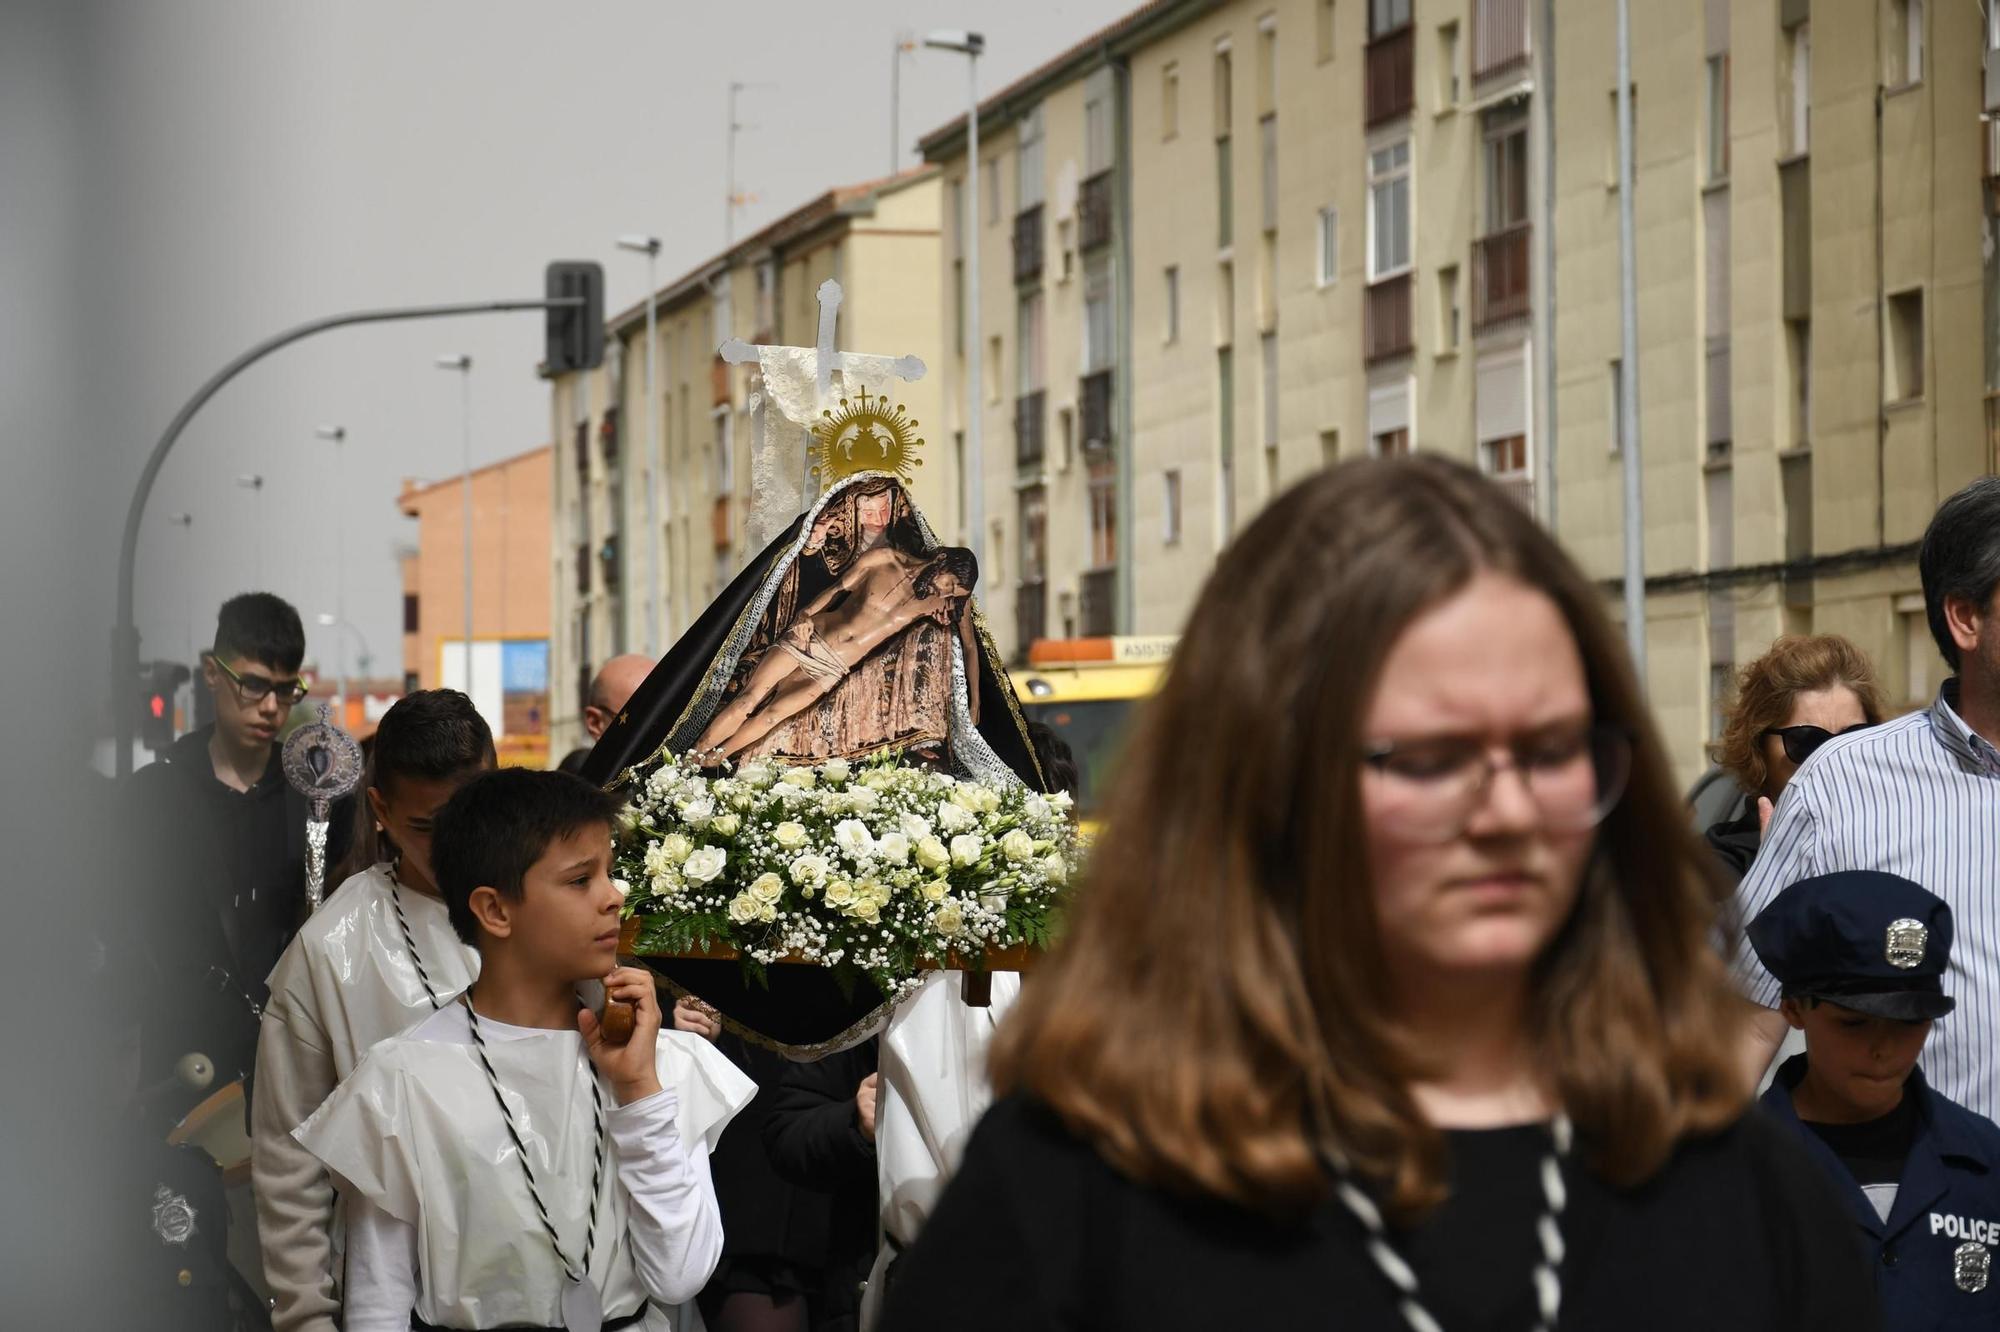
337, 435
970, 45
331, 621
650, 247
254, 483
185, 521
462, 362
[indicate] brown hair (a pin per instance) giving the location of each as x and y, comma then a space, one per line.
1218, 1008
1767, 688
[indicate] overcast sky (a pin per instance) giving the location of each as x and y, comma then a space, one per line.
248, 165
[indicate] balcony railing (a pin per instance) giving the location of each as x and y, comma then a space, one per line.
607, 437
1094, 400
1500, 275
1030, 440
607, 555
1094, 213
1028, 244
718, 383
582, 450
1390, 76
1097, 598
1385, 319
1499, 37
1031, 616
583, 570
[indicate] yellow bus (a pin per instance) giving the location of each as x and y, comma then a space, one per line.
1085, 690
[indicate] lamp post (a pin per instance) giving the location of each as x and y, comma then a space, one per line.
970, 45
462, 362
337, 435
185, 521
650, 247
904, 46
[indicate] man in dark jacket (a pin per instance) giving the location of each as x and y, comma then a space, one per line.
820, 1134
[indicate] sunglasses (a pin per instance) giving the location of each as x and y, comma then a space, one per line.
1801, 741
256, 688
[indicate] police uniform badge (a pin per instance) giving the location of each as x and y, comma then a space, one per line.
174, 1216
1904, 946
1971, 1264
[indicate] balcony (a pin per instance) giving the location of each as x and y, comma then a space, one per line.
718, 383
607, 438
1028, 244
1385, 319
607, 555
1094, 401
1031, 616
1499, 37
1390, 76
583, 570
1030, 430
1500, 275
582, 451
1094, 213
1097, 603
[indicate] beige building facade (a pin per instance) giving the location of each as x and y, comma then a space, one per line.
645, 538
1223, 244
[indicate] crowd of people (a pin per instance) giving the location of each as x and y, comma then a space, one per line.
1399, 993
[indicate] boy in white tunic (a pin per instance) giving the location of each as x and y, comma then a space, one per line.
504, 1164
378, 956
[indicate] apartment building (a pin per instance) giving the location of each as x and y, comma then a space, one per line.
645, 536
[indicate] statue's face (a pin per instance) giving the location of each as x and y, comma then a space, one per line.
874, 510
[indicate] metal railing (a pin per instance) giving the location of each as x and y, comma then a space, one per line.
1385, 319
1389, 76
1030, 430
1028, 244
1499, 36
1500, 275
1094, 403
1097, 610
1094, 212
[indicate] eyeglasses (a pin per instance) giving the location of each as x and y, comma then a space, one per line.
1801, 741
1428, 790
255, 688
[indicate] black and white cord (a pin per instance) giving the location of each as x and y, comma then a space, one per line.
409, 940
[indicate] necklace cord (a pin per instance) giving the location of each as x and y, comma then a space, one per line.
409, 941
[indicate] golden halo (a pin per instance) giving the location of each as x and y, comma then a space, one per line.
865, 435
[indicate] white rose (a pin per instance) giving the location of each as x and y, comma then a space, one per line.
854, 840
676, 847
767, 888
1055, 869
742, 908
836, 770
935, 890
931, 854
862, 800
767, 912
949, 919
966, 796
705, 864
624, 888
725, 825
965, 849
1017, 846
914, 826
894, 847
954, 818
1062, 801
809, 869
758, 775
696, 813
865, 910
839, 893
879, 779
803, 778
789, 835
993, 901
1037, 809
881, 892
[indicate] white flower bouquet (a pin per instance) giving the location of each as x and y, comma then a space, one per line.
866, 868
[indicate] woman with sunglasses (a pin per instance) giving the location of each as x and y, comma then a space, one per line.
1389, 1001
1789, 702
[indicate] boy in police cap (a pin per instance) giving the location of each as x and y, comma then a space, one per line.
1860, 956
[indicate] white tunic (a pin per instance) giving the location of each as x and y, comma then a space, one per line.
443, 1221
346, 981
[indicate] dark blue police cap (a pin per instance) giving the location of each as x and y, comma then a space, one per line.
1875, 943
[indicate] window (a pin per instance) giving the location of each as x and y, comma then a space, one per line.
1028, 353
1098, 350
1329, 246
1028, 163
1034, 534
1329, 447
1173, 312
410, 618
724, 457
1904, 346
767, 295
1103, 514
1066, 431
958, 471
1798, 82
1225, 304
1387, 16
1505, 459
1448, 308
1506, 162
1170, 100
1170, 507
1267, 131
994, 354
1223, 91
1267, 351
1617, 405
1389, 418
1271, 471
1447, 65
989, 182
958, 306
1267, 65
954, 212
1798, 365
1225, 440
1905, 46
1389, 443
1718, 116
1324, 16
1096, 134
1389, 210
1225, 203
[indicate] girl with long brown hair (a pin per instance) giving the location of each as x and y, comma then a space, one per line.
1389, 1001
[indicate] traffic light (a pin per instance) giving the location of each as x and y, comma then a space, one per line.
159, 683
575, 333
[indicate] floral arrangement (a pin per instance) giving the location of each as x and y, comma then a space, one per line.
866, 868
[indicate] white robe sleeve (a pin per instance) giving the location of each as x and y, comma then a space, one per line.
673, 1223
364, 1134
381, 1285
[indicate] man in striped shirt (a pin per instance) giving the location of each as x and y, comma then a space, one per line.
1917, 797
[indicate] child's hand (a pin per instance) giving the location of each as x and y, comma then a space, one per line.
864, 1106
692, 1015
630, 1067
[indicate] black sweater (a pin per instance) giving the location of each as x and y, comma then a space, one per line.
1737, 1234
